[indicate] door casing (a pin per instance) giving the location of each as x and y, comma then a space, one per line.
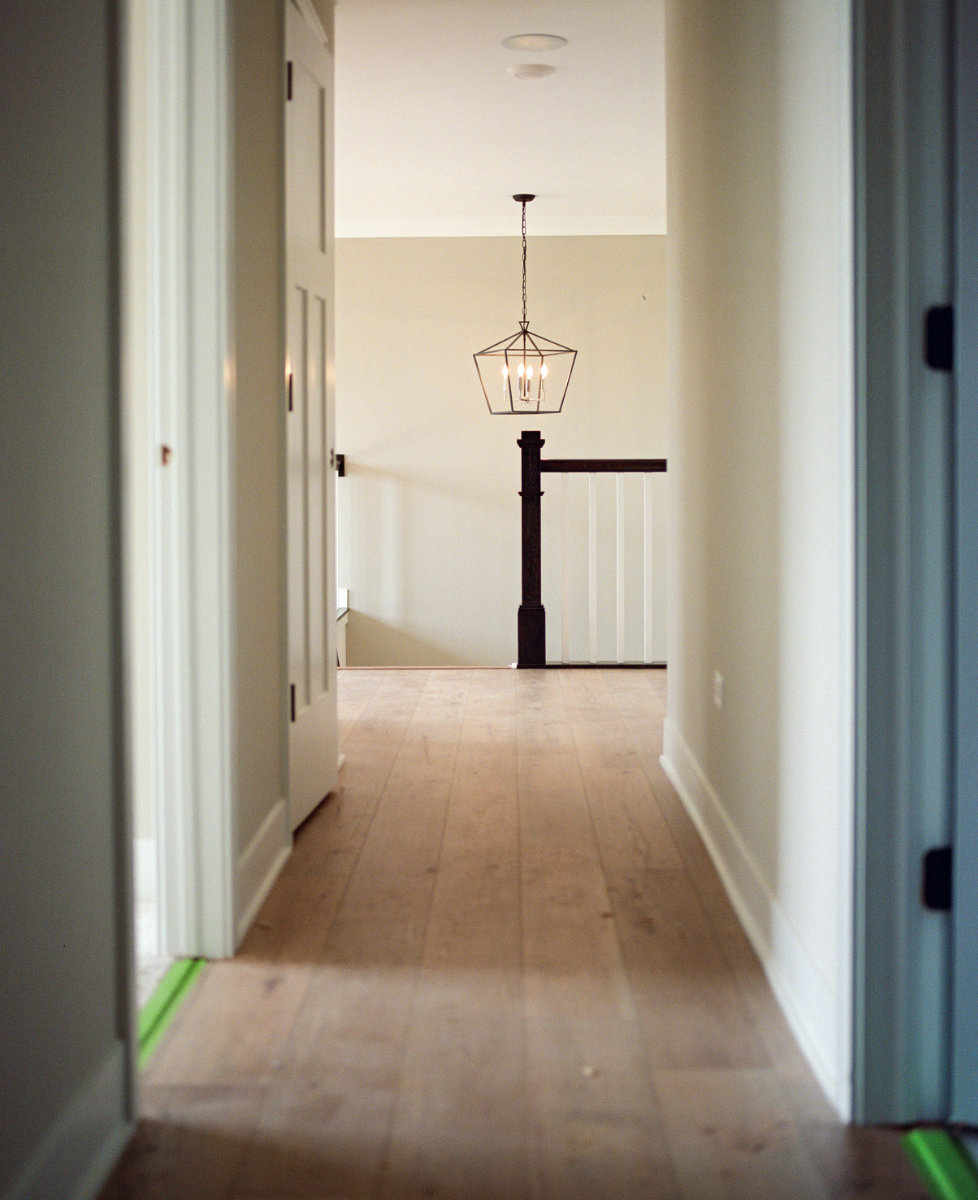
964, 1019
903, 265
178, 424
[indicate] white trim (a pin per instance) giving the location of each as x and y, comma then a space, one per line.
806, 999
167, 384
137, 582
145, 859
138, 513
179, 304
260, 864
211, 517
83, 1144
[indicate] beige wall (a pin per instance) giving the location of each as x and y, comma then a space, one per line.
429, 510
761, 397
262, 778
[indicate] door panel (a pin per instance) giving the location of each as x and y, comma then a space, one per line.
309, 343
964, 1038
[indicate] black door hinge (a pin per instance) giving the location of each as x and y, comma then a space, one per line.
939, 337
288, 81
936, 879
292, 703
290, 391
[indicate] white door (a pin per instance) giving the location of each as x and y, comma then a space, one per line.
309, 439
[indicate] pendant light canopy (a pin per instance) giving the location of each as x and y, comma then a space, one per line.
525, 373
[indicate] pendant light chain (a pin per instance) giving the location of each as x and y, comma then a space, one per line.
524, 262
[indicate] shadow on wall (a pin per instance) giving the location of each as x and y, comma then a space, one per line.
373, 643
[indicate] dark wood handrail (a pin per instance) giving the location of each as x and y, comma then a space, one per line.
531, 620
590, 466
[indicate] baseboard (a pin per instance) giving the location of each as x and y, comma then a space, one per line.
82, 1146
260, 864
808, 1003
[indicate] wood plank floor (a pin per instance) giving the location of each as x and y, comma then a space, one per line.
498, 966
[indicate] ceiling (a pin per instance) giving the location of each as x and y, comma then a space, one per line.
434, 137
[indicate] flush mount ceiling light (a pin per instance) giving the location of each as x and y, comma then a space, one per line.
530, 70
525, 373
535, 42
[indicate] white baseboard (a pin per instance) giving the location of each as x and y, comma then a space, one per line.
809, 1005
81, 1147
260, 864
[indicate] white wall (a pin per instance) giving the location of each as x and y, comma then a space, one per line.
64, 1085
429, 509
760, 342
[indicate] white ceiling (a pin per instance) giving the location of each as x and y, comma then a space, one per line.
433, 137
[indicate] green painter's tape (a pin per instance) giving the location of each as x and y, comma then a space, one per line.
159, 1010
944, 1164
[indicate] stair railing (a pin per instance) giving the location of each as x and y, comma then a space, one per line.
531, 619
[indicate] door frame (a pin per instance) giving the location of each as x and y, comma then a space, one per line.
904, 573
964, 1019
900, 1053
178, 393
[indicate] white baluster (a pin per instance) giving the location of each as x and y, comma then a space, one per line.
647, 548
564, 570
620, 566
592, 566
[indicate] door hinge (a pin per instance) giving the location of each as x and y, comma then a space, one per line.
288, 81
290, 391
936, 879
292, 703
939, 337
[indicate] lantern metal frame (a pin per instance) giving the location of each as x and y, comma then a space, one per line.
525, 373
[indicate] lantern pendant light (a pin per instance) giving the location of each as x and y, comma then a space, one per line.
525, 373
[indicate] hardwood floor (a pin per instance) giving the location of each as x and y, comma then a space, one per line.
499, 965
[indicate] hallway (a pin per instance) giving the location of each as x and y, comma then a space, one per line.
498, 964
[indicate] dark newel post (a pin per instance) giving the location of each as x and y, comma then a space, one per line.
531, 625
